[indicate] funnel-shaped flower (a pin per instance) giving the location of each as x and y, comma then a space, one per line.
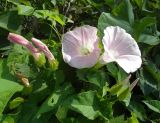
15, 38
120, 47
80, 47
52, 61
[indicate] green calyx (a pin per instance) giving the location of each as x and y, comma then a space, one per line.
41, 60
53, 64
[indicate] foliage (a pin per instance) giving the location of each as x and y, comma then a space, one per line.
69, 95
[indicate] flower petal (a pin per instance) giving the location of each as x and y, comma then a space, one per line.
70, 46
87, 34
84, 61
73, 43
130, 63
120, 47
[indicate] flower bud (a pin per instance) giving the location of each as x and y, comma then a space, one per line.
15, 38
38, 56
40, 60
43, 48
52, 61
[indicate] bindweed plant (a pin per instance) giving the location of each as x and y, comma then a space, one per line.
67, 61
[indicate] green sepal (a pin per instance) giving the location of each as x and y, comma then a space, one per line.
53, 64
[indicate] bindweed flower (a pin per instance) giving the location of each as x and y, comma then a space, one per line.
18, 39
80, 47
52, 61
120, 47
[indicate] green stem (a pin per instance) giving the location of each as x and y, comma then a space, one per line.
5, 9
97, 66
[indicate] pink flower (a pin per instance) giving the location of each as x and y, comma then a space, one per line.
15, 38
80, 47
120, 47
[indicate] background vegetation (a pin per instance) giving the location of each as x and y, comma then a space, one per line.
69, 95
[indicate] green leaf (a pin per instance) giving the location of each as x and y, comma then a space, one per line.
149, 78
139, 3
16, 102
112, 68
18, 61
122, 90
8, 119
59, 76
119, 119
110, 3
105, 90
4, 70
61, 113
125, 95
106, 19
7, 91
81, 74
149, 39
53, 2
145, 7
138, 109
124, 10
154, 74
130, 11
115, 88
153, 105
88, 105
56, 99
122, 75
98, 78
133, 119
140, 26
18, 2
25, 10
10, 21
50, 15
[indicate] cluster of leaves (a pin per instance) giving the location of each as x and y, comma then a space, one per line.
69, 95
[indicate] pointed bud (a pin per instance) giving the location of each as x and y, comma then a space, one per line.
52, 61
41, 60
43, 48
15, 38
127, 79
134, 83
18, 39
